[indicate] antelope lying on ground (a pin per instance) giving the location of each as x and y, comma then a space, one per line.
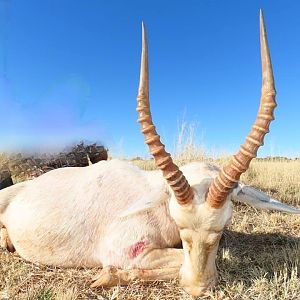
128, 221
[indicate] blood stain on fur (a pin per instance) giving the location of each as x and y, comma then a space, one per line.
136, 249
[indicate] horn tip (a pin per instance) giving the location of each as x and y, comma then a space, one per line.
143, 30
261, 17
261, 12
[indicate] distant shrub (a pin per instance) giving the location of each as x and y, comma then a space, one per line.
22, 167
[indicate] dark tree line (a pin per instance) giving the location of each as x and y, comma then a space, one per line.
18, 167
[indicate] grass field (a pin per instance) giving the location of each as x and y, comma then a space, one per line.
258, 258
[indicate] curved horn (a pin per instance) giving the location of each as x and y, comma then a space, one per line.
180, 186
239, 163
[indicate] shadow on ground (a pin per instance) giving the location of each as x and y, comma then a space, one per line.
248, 256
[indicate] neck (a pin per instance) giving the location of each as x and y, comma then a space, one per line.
166, 225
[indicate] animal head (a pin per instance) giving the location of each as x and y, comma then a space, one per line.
200, 205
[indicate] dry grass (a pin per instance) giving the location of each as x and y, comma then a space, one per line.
259, 255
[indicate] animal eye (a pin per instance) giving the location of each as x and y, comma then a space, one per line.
185, 234
186, 237
188, 243
213, 238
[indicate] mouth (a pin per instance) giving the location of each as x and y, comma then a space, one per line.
199, 289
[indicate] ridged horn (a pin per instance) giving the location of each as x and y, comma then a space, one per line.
180, 186
239, 163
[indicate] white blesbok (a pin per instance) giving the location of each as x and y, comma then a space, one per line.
128, 221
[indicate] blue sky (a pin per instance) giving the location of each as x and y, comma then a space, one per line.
69, 70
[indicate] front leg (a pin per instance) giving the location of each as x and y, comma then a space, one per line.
5, 241
157, 264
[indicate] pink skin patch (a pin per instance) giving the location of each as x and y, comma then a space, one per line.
136, 249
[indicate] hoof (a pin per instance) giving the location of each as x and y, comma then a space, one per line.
107, 277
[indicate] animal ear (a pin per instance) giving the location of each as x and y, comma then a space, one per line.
249, 195
146, 203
